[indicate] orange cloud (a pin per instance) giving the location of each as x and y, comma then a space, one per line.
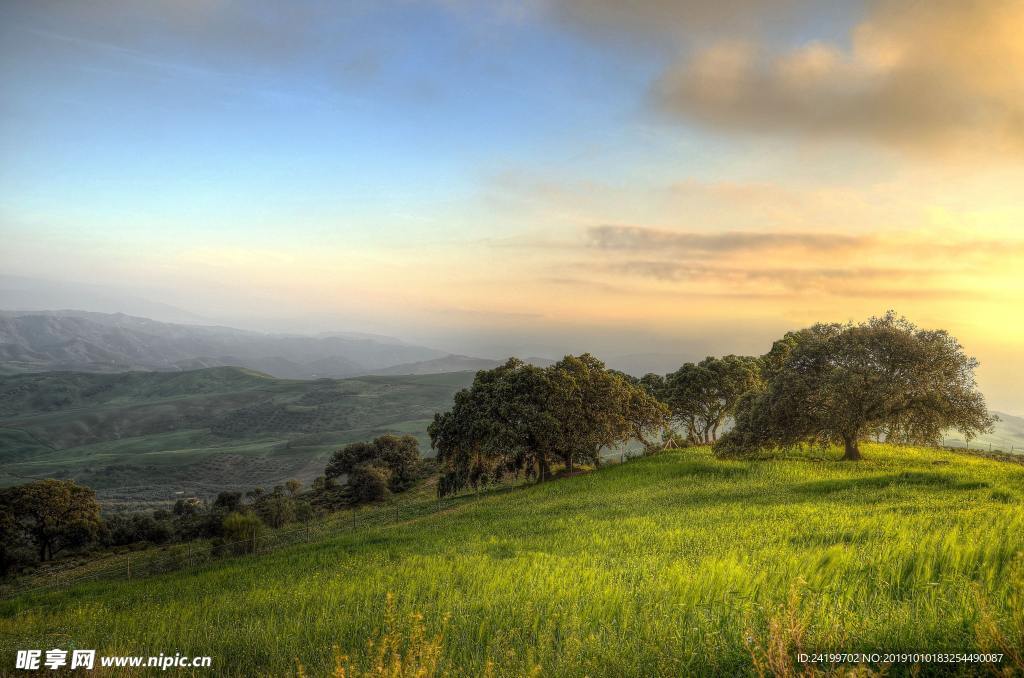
922, 76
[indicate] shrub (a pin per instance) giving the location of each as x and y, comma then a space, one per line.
368, 483
241, 529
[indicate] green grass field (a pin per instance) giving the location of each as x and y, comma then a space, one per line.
678, 564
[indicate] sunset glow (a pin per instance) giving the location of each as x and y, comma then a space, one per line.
680, 178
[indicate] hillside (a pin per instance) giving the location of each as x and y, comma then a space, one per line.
454, 363
661, 566
154, 436
103, 342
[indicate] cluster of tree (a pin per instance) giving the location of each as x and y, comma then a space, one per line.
46, 518
827, 384
842, 383
519, 418
372, 470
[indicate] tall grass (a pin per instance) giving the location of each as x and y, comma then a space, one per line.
673, 565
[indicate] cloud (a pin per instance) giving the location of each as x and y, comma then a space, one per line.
932, 265
638, 238
918, 76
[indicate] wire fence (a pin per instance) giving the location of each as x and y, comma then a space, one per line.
158, 560
180, 556
986, 444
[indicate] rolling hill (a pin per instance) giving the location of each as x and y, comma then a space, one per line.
101, 342
678, 564
153, 436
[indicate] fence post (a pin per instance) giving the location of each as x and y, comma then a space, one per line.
353, 519
128, 561
189, 552
254, 542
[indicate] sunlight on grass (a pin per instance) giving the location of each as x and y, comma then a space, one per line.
669, 565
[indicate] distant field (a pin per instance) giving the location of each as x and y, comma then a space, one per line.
144, 437
679, 564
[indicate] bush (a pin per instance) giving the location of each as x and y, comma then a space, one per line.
277, 510
395, 458
368, 483
240, 529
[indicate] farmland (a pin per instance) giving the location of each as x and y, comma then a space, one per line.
147, 437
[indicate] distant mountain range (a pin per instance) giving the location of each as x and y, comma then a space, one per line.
101, 342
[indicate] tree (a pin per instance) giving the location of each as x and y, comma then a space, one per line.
276, 510
597, 408
8, 538
188, 507
368, 483
52, 515
344, 460
838, 384
396, 457
400, 455
519, 418
500, 424
703, 395
228, 501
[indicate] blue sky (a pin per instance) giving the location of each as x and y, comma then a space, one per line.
577, 174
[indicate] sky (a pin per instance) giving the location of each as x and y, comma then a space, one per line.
543, 176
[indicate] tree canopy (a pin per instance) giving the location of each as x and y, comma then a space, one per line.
51, 514
389, 460
838, 383
703, 395
522, 418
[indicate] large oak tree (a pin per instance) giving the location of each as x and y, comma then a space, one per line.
840, 383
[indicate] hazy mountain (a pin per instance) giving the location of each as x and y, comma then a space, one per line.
100, 342
22, 294
1007, 436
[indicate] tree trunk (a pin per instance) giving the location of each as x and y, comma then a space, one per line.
851, 452
544, 470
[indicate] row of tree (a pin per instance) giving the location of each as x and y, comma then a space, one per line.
827, 384
46, 518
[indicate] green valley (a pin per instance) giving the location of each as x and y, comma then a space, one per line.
152, 437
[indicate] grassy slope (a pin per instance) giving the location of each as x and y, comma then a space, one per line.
148, 435
660, 566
